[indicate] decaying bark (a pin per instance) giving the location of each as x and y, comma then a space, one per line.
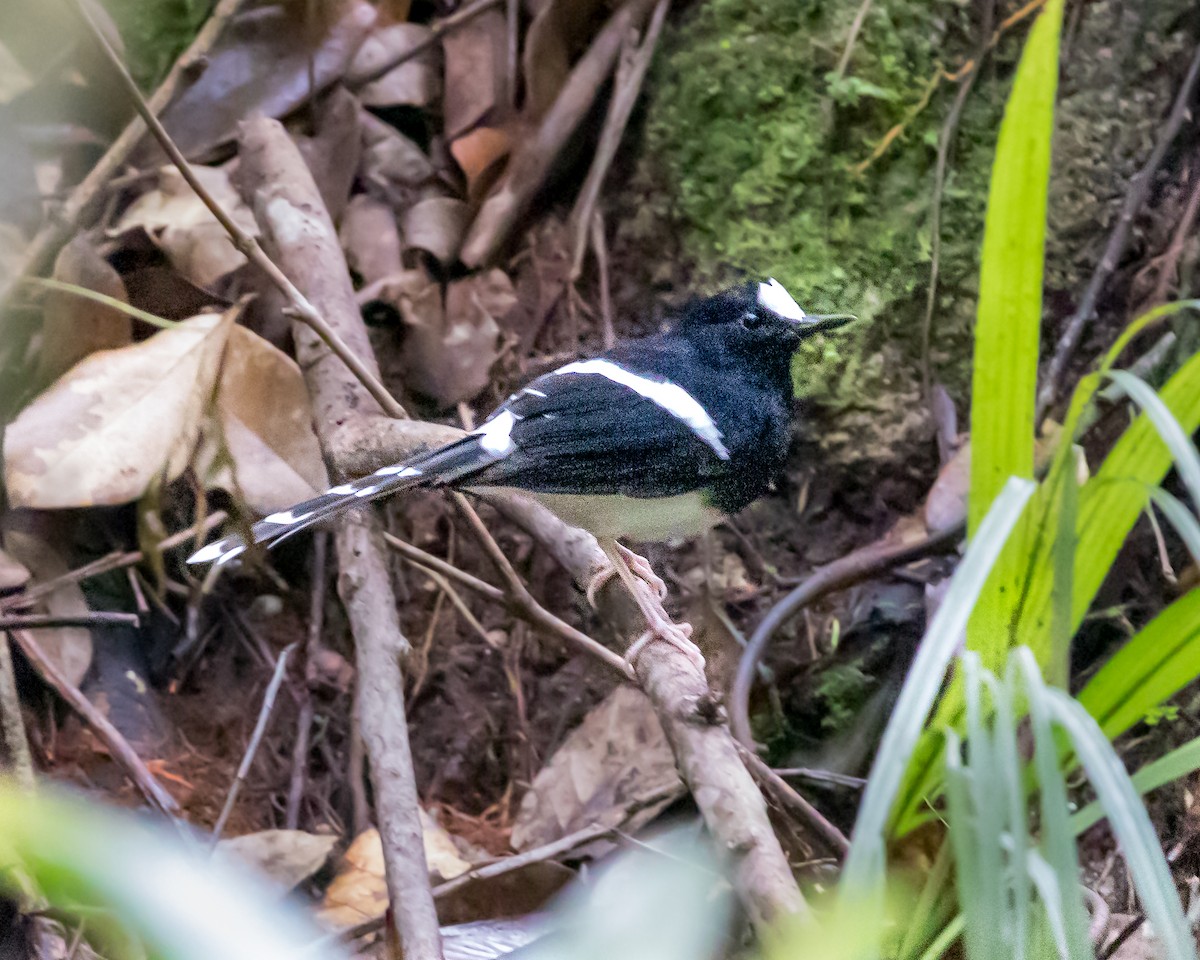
303, 242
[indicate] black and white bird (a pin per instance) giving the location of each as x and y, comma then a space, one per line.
655, 438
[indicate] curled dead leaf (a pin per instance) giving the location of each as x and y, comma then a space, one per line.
391, 161
265, 419
359, 891
185, 229
267, 61
479, 154
475, 72
74, 327
117, 420
371, 238
412, 84
617, 756
436, 225
449, 352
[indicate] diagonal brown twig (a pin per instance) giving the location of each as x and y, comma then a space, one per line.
522, 603
301, 307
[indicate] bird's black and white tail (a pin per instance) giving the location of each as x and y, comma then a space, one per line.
434, 469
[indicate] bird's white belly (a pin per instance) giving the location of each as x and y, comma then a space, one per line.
619, 517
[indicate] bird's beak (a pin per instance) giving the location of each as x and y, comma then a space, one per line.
817, 322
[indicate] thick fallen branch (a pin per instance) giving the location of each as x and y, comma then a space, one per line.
296, 226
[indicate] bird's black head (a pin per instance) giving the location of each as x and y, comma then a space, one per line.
753, 326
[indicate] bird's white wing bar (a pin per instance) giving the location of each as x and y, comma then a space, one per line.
666, 395
495, 436
775, 298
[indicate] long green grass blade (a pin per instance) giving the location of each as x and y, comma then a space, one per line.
1009, 315
1154, 664
1066, 914
1130, 824
1109, 504
865, 863
1173, 766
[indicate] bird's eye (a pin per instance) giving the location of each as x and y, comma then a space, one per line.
751, 319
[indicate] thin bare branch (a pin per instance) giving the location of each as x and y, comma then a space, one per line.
300, 306
260, 728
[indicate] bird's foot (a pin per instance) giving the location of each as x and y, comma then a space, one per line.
641, 566
638, 565
678, 635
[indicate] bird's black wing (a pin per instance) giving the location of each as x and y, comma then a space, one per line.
585, 433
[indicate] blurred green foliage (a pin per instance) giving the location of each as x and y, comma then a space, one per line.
155, 32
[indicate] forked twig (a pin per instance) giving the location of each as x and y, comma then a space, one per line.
522, 603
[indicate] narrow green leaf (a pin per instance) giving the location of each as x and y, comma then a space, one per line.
83, 292
1109, 504
1181, 518
1058, 840
865, 863
1173, 766
1130, 824
1009, 315
1152, 666
1187, 460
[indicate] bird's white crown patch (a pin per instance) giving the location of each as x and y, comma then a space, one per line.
775, 298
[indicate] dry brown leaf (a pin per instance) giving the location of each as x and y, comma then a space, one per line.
437, 226
29, 539
266, 421
475, 68
478, 154
412, 84
371, 238
448, 353
946, 504
261, 65
116, 421
74, 327
288, 857
12, 573
558, 34
521, 892
617, 756
333, 155
390, 160
185, 229
359, 891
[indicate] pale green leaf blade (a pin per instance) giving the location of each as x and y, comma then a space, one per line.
1130, 824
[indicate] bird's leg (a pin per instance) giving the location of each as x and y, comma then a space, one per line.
661, 627
636, 563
